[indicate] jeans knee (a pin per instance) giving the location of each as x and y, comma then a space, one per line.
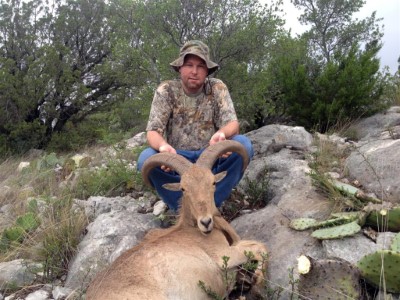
145, 154
246, 142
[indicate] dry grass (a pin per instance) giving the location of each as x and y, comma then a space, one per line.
43, 191
330, 157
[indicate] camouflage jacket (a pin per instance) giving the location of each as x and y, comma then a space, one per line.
188, 122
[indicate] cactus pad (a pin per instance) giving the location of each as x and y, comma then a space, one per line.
387, 219
302, 223
395, 246
332, 222
330, 279
337, 231
372, 265
352, 215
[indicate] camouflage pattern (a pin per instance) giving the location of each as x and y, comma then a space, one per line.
188, 122
199, 49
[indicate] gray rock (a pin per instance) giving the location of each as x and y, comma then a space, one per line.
38, 295
60, 292
371, 128
345, 248
137, 141
376, 166
110, 234
282, 151
272, 138
97, 205
18, 272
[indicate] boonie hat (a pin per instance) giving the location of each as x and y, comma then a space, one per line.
199, 49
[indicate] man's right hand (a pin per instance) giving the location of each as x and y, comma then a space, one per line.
166, 148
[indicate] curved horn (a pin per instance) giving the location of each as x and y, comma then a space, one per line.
171, 160
210, 155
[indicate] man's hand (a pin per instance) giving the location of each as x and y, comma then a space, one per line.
219, 137
166, 148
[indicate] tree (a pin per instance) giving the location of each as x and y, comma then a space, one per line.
324, 77
57, 68
332, 28
63, 63
23, 27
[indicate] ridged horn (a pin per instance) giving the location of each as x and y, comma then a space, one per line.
171, 160
211, 154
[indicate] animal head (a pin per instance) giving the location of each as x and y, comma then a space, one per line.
197, 183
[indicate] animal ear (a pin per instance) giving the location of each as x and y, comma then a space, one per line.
220, 176
175, 187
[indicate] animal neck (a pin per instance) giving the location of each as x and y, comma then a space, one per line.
185, 216
230, 234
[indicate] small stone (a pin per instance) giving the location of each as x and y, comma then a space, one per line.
22, 165
159, 208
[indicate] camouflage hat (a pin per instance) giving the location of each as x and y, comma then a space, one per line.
199, 49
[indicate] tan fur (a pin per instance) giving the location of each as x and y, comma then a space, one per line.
169, 263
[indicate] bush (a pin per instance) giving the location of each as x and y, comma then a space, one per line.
25, 136
64, 227
320, 96
113, 180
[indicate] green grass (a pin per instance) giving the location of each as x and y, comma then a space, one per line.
45, 224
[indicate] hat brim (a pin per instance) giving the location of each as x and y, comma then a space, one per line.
211, 66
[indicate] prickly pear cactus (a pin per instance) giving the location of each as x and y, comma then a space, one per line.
307, 223
384, 218
395, 246
302, 223
351, 215
330, 279
337, 232
372, 265
333, 222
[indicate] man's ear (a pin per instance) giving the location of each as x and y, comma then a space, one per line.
175, 187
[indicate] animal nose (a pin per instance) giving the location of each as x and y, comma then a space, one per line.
206, 222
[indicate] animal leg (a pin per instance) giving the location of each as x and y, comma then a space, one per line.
254, 279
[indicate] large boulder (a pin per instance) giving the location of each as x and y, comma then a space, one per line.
117, 227
292, 196
374, 161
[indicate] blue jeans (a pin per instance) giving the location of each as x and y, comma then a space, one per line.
232, 164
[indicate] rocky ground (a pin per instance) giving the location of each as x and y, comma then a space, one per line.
281, 166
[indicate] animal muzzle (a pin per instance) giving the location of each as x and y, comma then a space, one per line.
205, 224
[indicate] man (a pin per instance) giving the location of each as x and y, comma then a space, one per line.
189, 114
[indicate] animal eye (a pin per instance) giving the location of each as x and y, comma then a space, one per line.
182, 189
214, 183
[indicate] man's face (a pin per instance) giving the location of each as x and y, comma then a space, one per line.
193, 73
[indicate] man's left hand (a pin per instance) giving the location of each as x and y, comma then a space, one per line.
219, 137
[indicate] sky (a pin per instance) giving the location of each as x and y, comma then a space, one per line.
389, 10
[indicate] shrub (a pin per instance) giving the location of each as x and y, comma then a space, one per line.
60, 237
111, 180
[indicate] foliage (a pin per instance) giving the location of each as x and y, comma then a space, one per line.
111, 180
232, 279
391, 89
63, 62
84, 71
209, 292
318, 97
324, 77
24, 225
57, 65
258, 190
333, 31
61, 237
